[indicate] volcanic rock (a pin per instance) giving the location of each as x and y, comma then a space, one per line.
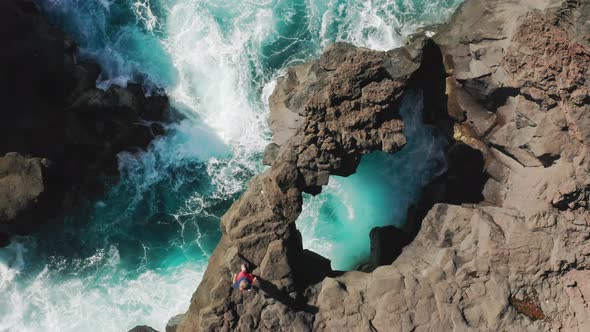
508, 253
172, 324
53, 115
21, 190
325, 114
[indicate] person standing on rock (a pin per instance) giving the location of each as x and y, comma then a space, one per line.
244, 280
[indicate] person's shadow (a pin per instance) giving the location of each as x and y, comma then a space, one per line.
272, 291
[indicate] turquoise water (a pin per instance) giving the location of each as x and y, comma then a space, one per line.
337, 222
136, 255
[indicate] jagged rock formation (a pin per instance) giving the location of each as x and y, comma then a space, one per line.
514, 258
514, 261
338, 108
68, 130
353, 110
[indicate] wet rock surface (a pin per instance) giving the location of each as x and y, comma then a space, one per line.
508, 252
68, 131
21, 184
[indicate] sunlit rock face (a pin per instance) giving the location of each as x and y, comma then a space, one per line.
467, 264
502, 262
327, 113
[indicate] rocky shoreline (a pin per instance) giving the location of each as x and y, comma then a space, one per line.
503, 244
499, 242
60, 134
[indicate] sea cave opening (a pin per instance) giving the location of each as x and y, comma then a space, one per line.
364, 220
375, 200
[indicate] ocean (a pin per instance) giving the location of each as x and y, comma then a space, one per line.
136, 254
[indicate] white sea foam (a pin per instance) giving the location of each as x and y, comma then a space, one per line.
50, 300
215, 78
380, 24
207, 55
215, 82
143, 12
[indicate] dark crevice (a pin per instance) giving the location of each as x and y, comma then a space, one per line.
313, 267
528, 97
465, 176
481, 39
498, 98
431, 79
462, 183
387, 243
464, 180
548, 159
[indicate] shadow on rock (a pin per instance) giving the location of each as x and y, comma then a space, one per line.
270, 290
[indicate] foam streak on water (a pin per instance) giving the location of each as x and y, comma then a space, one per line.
135, 255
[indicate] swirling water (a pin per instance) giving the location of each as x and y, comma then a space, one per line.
136, 255
337, 222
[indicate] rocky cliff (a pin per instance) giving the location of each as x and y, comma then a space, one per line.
505, 250
59, 135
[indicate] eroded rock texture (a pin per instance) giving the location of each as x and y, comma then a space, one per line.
517, 260
325, 115
52, 110
514, 259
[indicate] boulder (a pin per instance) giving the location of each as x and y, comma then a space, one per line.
270, 154
23, 193
21, 185
172, 324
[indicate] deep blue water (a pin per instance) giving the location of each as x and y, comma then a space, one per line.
136, 255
